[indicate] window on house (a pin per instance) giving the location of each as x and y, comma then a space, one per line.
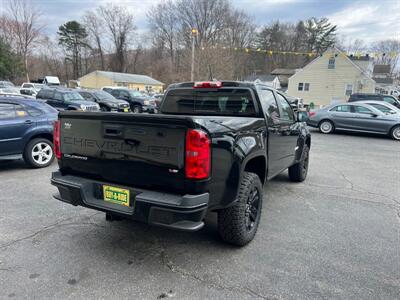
300, 87
349, 90
331, 63
303, 86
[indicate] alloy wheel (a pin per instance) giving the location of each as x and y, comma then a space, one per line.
252, 208
42, 153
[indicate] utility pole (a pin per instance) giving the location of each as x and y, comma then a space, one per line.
194, 33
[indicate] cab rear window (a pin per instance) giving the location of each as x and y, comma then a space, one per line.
223, 102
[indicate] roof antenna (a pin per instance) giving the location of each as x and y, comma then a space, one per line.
210, 75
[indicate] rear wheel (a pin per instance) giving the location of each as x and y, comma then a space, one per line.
38, 153
395, 133
326, 126
238, 224
298, 172
104, 108
137, 109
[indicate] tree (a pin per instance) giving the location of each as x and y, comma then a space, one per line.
388, 53
72, 36
25, 28
95, 28
10, 64
320, 34
164, 25
120, 26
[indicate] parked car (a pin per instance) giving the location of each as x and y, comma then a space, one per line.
383, 106
137, 101
210, 149
106, 101
10, 90
355, 117
108, 89
26, 131
66, 99
5, 84
376, 97
157, 99
33, 86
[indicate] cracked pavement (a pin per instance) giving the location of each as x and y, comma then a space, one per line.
337, 235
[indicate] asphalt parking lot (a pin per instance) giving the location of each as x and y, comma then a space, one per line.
337, 235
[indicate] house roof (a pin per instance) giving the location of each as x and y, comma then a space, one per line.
129, 78
383, 80
283, 72
381, 69
264, 77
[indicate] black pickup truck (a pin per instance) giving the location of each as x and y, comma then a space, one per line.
211, 149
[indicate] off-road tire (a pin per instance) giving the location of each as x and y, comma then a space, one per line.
28, 156
232, 220
298, 172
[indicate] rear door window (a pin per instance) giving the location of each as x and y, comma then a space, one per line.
342, 108
223, 102
7, 111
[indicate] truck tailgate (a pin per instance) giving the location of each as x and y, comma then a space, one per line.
127, 149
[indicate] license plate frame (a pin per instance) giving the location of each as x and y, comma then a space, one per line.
116, 195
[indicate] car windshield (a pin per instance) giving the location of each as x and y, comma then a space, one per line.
104, 95
136, 94
73, 96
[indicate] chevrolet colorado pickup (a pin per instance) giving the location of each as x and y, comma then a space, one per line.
210, 149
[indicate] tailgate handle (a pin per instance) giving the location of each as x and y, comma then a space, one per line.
112, 132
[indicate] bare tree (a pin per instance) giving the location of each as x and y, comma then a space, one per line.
164, 25
388, 53
209, 17
25, 27
95, 28
119, 23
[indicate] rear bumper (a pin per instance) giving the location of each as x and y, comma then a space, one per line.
312, 123
181, 212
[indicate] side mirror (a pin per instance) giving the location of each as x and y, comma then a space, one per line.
302, 116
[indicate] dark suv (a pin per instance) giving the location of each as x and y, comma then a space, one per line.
106, 101
376, 97
137, 101
66, 99
26, 131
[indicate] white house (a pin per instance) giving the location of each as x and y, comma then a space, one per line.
331, 77
270, 80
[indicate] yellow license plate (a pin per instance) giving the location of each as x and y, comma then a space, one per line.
126, 109
116, 195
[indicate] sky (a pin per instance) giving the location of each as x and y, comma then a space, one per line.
369, 20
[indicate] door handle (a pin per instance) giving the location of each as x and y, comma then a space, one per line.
28, 122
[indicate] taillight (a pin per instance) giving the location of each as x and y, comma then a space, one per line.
198, 157
207, 84
311, 113
56, 139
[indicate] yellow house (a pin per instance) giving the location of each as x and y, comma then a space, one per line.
99, 79
332, 78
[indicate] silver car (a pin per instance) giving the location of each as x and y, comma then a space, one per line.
383, 106
356, 117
